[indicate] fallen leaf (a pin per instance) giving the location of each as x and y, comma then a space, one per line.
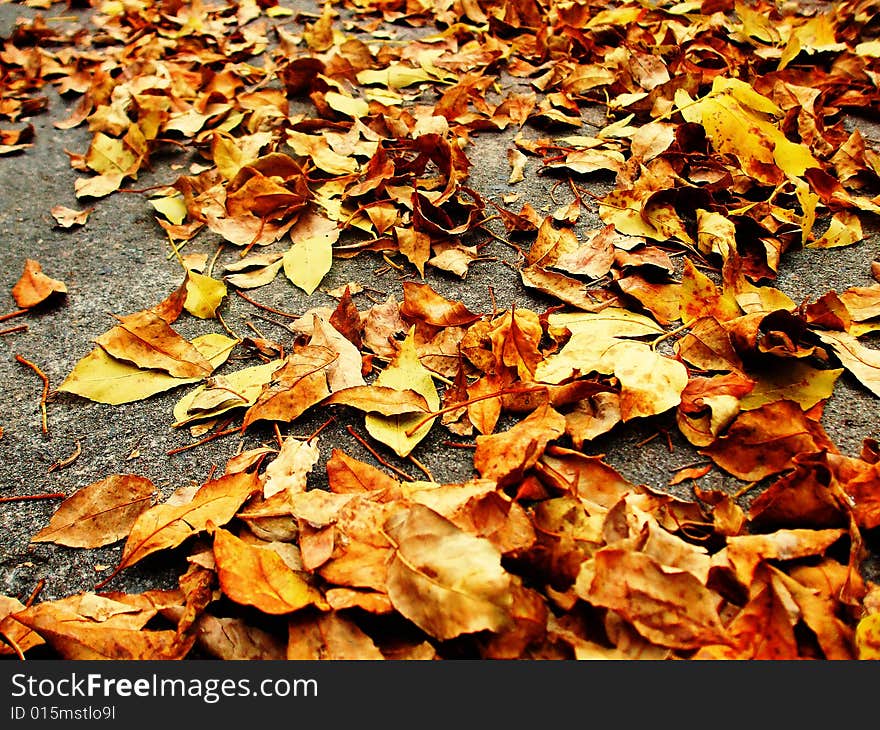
167, 525
405, 372
102, 378
99, 514
257, 576
445, 581
34, 287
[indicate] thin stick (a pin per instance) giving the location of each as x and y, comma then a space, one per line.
228, 329
29, 497
648, 440
278, 437
209, 437
363, 442
671, 333
45, 394
17, 313
321, 428
459, 445
265, 307
17, 328
421, 466
68, 461
748, 487
469, 401
35, 592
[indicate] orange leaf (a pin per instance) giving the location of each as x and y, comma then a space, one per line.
506, 456
257, 576
34, 286
668, 608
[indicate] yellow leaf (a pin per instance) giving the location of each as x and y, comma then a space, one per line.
172, 207
307, 262
347, 105
223, 393
610, 322
650, 383
845, 229
203, 295
791, 380
102, 378
868, 637
393, 76
405, 372
109, 156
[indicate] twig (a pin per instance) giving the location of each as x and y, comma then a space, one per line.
465, 403
458, 445
45, 395
17, 328
320, 428
278, 437
742, 490
35, 592
266, 307
17, 313
209, 437
68, 461
422, 467
363, 442
29, 497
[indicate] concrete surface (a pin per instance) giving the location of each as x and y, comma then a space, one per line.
118, 264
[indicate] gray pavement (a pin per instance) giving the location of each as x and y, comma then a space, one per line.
118, 264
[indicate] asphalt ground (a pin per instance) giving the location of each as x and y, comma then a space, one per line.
119, 263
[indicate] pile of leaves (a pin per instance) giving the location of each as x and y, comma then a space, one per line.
319, 137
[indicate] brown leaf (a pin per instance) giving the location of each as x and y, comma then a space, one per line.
148, 341
34, 286
330, 637
764, 441
296, 386
100, 513
347, 475
79, 636
422, 303
506, 456
15, 636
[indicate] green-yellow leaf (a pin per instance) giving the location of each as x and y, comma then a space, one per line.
102, 378
221, 394
405, 372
